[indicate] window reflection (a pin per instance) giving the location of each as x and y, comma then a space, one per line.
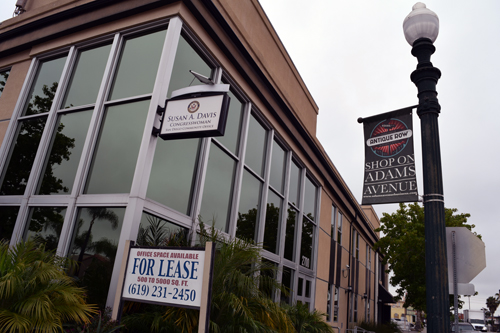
277, 168
173, 173
309, 199
273, 218
45, 224
218, 189
290, 233
118, 147
44, 88
155, 231
138, 66
187, 59
29, 131
246, 226
22, 156
306, 243
254, 155
66, 149
93, 246
231, 138
294, 185
267, 278
87, 77
286, 281
8, 216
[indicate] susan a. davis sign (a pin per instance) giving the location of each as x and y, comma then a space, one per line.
390, 175
198, 111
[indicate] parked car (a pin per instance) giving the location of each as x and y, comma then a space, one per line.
462, 327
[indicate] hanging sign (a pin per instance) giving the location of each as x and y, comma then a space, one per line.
390, 175
194, 112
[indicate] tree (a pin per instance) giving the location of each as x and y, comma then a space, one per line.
96, 214
492, 305
403, 248
36, 295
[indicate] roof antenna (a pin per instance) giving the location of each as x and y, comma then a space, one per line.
20, 7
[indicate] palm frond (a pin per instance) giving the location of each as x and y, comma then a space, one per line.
35, 292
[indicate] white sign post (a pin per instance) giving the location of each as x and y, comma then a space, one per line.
179, 277
466, 259
469, 256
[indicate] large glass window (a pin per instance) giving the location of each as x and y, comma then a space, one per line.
222, 161
275, 199
231, 138
276, 178
44, 88
286, 281
308, 226
306, 245
294, 185
291, 222
22, 156
8, 216
87, 77
45, 224
29, 131
118, 147
66, 148
249, 207
155, 231
187, 59
272, 221
136, 73
173, 173
218, 189
255, 150
94, 244
310, 200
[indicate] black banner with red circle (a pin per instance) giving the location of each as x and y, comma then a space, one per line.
390, 175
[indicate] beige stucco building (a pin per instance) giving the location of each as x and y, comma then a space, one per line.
80, 168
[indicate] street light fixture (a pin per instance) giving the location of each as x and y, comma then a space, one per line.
421, 28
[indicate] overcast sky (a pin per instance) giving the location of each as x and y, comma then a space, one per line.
356, 62
353, 57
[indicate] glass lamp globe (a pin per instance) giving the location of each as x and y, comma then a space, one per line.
421, 23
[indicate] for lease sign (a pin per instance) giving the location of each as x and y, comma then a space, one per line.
166, 276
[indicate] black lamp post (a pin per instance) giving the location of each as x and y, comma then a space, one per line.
421, 28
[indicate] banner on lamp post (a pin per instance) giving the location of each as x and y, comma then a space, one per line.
390, 175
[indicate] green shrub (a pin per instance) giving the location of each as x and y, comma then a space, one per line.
36, 294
